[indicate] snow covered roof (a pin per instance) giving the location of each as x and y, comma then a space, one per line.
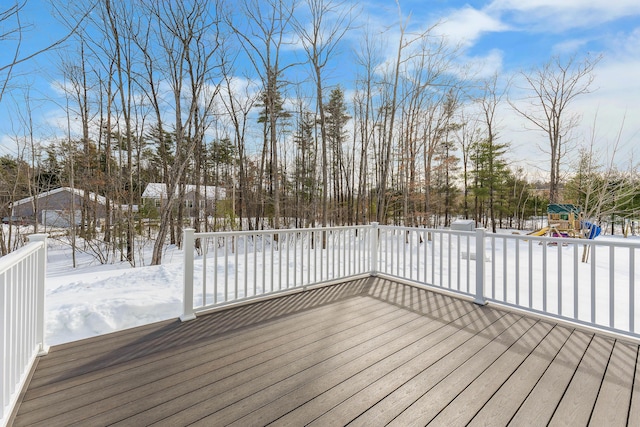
95, 197
157, 190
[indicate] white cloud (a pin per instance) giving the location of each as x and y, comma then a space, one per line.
569, 46
486, 66
466, 25
559, 15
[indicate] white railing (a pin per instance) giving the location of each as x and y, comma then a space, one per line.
542, 275
238, 266
548, 276
22, 275
435, 257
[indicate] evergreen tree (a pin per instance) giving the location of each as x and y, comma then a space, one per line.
336, 120
490, 170
305, 166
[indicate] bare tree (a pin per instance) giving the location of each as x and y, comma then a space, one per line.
12, 30
238, 105
330, 21
467, 135
554, 87
262, 38
187, 35
489, 101
365, 117
599, 186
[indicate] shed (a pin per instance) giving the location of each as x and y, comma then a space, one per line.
56, 207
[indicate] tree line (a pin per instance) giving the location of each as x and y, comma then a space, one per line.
272, 101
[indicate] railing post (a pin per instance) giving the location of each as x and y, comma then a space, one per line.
187, 301
480, 244
374, 248
43, 349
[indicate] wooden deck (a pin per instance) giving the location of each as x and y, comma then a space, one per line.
365, 353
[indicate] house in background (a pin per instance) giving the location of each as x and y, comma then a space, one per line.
60, 207
155, 196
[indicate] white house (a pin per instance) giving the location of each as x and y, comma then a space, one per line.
156, 193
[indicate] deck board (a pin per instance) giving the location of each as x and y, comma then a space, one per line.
634, 410
470, 400
504, 403
355, 395
367, 352
612, 406
578, 401
427, 404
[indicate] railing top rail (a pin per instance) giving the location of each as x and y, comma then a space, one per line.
13, 258
570, 240
279, 230
432, 230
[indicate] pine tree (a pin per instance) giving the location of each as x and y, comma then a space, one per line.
336, 121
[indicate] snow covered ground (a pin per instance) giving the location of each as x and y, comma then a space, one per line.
95, 299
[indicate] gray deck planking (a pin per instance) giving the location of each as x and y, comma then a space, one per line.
613, 404
505, 401
579, 399
367, 352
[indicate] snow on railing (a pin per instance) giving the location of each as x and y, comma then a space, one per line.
22, 275
542, 275
238, 266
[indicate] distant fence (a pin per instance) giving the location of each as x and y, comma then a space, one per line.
22, 276
541, 275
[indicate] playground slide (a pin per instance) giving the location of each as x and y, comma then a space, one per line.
540, 232
594, 230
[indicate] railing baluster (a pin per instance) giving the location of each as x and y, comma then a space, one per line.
216, 299
530, 244
426, 254
245, 249
441, 258
505, 264
468, 264
575, 280
458, 261
203, 242
544, 277
234, 243
272, 245
517, 272
6, 385
433, 259
310, 245
492, 240
264, 264
593, 283
612, 285
559, 278
449, 261
632, 296
288, 237
226, 268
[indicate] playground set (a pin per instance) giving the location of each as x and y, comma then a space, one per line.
567, 220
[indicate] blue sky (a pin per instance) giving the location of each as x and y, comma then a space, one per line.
504, 36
